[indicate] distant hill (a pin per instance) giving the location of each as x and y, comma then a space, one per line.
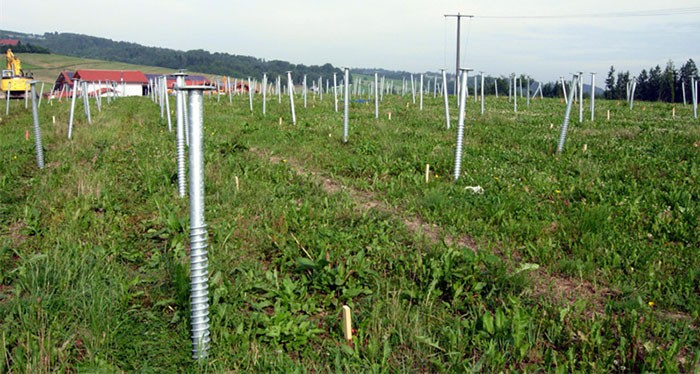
195, 60
46, 67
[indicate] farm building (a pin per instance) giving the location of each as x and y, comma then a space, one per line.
64, 82
190, 80
124, 82
9, 42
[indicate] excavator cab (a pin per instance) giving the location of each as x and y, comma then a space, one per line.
14, 81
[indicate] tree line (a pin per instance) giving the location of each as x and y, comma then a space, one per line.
23, 48
656, 84
194, 60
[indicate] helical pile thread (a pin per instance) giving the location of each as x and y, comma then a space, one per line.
37, 129
199, 299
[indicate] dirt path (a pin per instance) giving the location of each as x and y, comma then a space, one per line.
550, 287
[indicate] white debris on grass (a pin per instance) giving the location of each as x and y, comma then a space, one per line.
475, 189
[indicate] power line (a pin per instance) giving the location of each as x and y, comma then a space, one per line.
640, 13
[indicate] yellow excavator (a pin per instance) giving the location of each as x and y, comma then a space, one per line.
14, 80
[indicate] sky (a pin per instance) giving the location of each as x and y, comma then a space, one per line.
408, 35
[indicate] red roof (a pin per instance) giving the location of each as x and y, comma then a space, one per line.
126, 76
9, 41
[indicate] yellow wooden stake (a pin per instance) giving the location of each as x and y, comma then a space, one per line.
237, 185
347, 323
280, 120
53, 119
427, 173
674, 112
389, 116
608, 114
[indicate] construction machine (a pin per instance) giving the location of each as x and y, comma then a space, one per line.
15, 81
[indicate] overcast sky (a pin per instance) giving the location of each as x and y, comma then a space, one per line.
411, 35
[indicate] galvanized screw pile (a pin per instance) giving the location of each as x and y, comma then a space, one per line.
250, 95
291, 96
72, 109
567, 116
444, 95
180, 130
376, 96
199, 297
346, 100
264, 93
482, 92
166, 98
460, 124
335, 93
86, 101
37, 129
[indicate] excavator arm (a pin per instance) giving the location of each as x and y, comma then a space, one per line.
13, 63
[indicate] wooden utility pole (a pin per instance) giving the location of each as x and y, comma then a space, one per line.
459, 20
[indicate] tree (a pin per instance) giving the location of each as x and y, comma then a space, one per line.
610, 84
687, 71
667, 83
621, 85
643, 92
654, 82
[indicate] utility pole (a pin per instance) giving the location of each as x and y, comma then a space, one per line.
459, 20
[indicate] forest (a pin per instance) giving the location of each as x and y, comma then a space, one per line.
194, 60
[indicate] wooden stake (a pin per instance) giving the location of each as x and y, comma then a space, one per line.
53, 119
237, 184
280, 120
347, 323
608, 114
585, 148
427, 173
674, 112
389, 116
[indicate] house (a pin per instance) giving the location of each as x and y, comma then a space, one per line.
9, 42
123, 82
64, 82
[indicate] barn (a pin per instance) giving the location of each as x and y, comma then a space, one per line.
124, 82
64, 82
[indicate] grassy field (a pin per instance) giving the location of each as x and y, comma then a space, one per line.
586, 261
47, 67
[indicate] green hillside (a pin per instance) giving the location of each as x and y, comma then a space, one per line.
47, 67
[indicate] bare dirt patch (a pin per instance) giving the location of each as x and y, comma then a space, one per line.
367, 200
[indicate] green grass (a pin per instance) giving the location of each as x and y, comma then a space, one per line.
585, 261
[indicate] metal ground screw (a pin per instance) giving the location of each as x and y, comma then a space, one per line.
460, 124
445, 98
199, 296
567, 116
37, 129
346, 100
180, 132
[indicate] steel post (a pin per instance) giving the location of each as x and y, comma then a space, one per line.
460, 126
180, 132
37, 129
346, 100
291, 96
445, 98
199, 296
567, 116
